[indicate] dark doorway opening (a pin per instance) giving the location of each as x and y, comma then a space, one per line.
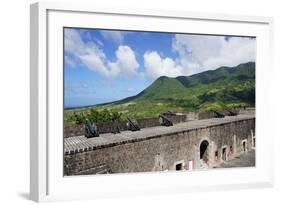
224, 154
231, 149
179, 166
254, 142
204, 150
216, 155
244, 146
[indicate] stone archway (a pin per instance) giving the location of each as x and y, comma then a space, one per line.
204, 151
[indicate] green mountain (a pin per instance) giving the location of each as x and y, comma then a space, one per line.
225, 87
213, 89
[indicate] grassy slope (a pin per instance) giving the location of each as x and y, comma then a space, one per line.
206, 91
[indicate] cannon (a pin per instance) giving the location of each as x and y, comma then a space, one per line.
133, 125
219, 115
165, 121
91, 130
115, 127
231, 113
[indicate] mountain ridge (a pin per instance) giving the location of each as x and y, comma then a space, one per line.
241, 73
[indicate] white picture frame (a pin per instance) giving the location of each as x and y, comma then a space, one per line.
46, 163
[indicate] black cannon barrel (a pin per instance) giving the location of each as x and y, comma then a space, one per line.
91, 130
134, 125
115, 127
219, 115
165, 121
231, 113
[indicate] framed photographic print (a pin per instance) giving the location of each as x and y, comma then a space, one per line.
127, 102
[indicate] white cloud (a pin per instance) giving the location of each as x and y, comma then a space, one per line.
156, 66
69, 61
126, 60
197, 53
73, 42
95, 59
115, 36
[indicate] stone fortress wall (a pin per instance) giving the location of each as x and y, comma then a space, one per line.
191, 145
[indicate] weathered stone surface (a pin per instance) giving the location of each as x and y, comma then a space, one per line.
160, 148
245, 160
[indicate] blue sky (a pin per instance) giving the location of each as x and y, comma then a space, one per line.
104, 65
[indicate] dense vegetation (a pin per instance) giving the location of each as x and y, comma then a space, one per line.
223, 88
79, 117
